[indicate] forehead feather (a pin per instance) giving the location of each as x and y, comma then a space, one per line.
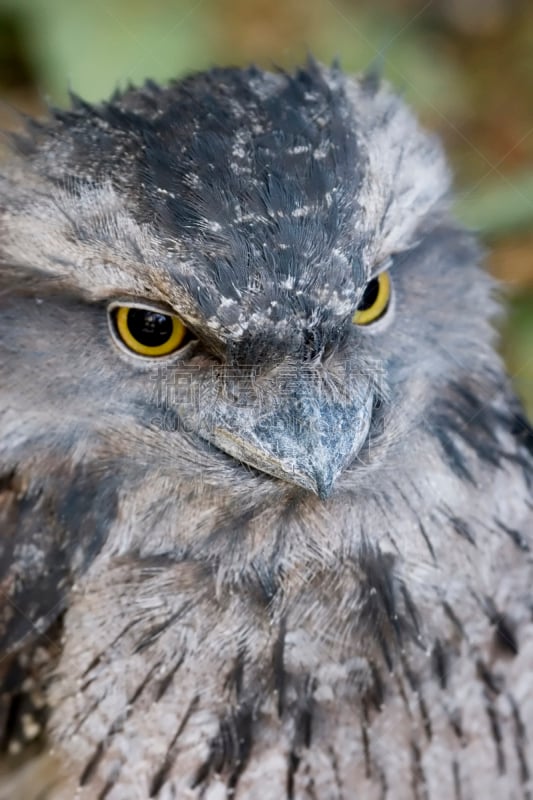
249, 187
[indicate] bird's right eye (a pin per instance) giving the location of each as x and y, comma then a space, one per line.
147, 332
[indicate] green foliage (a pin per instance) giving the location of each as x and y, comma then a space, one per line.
499, 206
518, 347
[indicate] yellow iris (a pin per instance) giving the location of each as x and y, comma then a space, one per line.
374, 301
147, 332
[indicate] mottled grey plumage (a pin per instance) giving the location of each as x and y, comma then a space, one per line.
292, 559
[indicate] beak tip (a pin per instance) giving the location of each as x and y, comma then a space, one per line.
324, 482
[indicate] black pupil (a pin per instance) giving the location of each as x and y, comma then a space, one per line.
370, 295
149, 327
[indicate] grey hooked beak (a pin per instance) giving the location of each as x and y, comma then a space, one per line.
306, 433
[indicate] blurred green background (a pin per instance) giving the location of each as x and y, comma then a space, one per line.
466, 65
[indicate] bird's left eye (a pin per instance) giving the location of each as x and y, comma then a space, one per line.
375, 300
147, 332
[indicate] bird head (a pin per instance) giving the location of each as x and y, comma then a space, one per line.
262, 263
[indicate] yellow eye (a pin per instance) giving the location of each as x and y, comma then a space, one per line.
374, 301
147, 332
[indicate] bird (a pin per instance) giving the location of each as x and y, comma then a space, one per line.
265, 486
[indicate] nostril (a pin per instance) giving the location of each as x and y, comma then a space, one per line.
328, 351
312, 346
321, 343
312, 354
